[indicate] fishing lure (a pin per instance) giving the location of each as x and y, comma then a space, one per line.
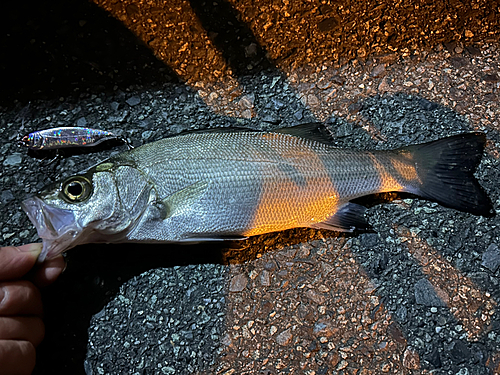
67, 137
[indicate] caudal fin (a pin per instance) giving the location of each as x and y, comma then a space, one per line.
446, 169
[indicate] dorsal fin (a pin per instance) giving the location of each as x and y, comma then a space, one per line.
314, 131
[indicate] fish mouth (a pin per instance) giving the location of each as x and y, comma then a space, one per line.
55, 226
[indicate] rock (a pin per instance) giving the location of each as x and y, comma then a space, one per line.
146, 135
426, 295
369, 240
317, 298
427, 104
6, 196
434, 358
134, 100
325, 328
265, 280
238, 283
378, 71
411, 360
491, 78
328, 24
247, 101
251, 50
299, 114
402, 314
82, 122
459, 351
338, 80
491, 258
284, 338
271, 118
13, 160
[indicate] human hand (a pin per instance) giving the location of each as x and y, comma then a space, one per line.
21, 325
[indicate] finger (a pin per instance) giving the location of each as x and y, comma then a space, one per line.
17, 357
49, 271
29, 328
20, 298
15, 262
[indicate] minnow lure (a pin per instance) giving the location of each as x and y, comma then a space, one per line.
67, 137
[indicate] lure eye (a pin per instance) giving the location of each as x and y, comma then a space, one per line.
76, 189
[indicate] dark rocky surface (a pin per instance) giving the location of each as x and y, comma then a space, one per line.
418, 295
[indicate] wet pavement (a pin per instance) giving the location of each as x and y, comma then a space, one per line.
419, 294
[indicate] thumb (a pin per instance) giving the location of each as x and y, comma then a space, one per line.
15, 262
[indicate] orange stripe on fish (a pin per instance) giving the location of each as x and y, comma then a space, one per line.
308, 199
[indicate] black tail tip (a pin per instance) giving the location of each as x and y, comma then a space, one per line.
446, 168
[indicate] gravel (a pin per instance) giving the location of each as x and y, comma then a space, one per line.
419, 293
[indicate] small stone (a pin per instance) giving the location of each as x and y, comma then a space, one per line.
411, 360
272, 119
491, 258
265, 278
338, 80
426, 295
384, 85
328, 24
459, 351
402, 314
82, 122
319, 299
312, 100
342, 365
247, 113
251, 50
284, 338
277, 104
299, 114
134, 100
146, 135
13, 160
238, 283
491, 78
434, 358
469, 34
378, 71
247, 101
325, 328
6, 196
273, 330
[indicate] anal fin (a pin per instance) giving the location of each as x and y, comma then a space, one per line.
348, 218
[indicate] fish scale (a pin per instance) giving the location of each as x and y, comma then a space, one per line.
313, 179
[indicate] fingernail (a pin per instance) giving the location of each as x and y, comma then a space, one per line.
52, 273
30, 248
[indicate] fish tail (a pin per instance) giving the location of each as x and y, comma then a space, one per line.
446, 172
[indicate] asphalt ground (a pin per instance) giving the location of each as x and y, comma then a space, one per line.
418, 295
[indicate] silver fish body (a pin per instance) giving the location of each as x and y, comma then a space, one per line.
214, 186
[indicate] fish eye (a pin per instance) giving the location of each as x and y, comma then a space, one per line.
76, 189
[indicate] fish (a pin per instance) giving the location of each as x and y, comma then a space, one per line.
219, 186
67, 137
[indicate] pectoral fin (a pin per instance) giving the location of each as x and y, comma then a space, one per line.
347, 219
184, 199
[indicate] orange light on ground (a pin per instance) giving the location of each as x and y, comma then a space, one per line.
176, 36
342, 322
472, 307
